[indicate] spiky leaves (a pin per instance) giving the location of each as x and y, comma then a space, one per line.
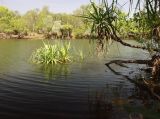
101, 16
52, 54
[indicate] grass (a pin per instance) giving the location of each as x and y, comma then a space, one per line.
59, 53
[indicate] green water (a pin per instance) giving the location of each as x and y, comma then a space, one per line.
62, 91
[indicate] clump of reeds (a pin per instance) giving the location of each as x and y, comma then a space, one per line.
53, 54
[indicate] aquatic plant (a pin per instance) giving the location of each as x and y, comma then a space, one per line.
81, 55
57, 53
52, 54
53, 72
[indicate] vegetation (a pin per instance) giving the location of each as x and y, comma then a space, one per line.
103, 22
41, 22
57, 53
104, 18
52, 25
53, 54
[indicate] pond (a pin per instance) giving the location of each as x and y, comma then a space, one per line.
28, 90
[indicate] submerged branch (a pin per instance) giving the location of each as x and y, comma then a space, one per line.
150, 85
125, 76
129, 61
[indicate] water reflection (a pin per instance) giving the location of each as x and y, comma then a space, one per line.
104, 105
54, 71
141, 102
99, 106
32, 89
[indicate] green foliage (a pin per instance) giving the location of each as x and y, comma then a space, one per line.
40, 21
56, 27
152, 8
108, 19
97, 18
66, 28
59, 53
66, 31
102, 17
31, 18
5, 19
147, 16
43, 21
18, 24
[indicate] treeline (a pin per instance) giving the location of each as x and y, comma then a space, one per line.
42, 22
45, 24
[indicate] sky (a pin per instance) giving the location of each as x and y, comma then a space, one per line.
56, 6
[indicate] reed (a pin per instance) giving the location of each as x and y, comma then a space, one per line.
52, 54
57, 53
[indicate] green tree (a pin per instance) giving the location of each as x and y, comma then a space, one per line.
5, 19
31, 18
48, 23
66, 31
40, 24
81, 26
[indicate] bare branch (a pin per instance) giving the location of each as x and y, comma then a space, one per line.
129, 61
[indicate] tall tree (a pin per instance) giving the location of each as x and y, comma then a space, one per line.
5, 19
31, 18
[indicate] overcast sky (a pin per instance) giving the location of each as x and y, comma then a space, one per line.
56, 6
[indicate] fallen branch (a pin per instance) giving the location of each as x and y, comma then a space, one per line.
129, 61
150, 87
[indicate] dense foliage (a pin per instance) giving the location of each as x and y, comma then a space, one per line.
61, 25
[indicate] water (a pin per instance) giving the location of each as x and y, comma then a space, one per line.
35, 91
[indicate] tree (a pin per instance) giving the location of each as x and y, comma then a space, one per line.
66, 31
81, 26
104, 22
41, 22
56, 26
31, 18
5, 17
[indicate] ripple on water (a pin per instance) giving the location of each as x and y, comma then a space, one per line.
26, 89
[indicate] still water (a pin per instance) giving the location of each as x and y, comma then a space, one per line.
29, 91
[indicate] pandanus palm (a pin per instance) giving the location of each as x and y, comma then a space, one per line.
101, 16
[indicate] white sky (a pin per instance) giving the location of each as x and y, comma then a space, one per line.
56, 6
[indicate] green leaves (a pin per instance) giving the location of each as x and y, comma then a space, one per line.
54, 54
101, 16
5, 19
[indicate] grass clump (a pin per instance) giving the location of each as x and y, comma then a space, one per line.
52, 54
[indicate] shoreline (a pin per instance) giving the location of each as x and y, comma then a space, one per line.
37, 36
